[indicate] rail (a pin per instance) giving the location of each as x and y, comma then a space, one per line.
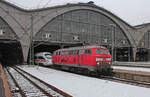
140, 78
50, 86
36, 87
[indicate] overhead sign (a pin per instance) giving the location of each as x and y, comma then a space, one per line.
76, 38
48, 35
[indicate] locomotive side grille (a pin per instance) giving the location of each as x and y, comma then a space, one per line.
104, 63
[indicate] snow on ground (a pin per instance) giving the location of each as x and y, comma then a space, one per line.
83, 86
132, 68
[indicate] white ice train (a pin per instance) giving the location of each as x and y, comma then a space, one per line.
43, 58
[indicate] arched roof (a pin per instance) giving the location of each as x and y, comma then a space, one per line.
58, 10
47, 14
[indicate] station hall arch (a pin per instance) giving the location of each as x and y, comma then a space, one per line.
143, 48
87, 26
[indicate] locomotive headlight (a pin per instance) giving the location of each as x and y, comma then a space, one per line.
99, 59
108, 59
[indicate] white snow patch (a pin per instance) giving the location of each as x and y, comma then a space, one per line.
82, 86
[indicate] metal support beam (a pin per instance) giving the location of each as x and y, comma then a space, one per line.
113, 26
31, 43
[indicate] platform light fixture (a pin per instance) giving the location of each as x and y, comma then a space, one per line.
1, 32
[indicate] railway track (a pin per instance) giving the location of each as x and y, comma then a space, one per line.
126, 81
130, 77
26, 85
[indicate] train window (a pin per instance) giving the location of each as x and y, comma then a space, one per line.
48, 56
62, 53
98, 51
40, 57
88, 51
81, 51
75, 52
57, 53
106, 52
70, 52
66, 53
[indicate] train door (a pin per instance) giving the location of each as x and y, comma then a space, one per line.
87, 57
81, 54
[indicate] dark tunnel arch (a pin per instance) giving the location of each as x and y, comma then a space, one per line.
10, 47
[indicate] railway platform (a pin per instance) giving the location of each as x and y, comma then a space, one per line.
132, 63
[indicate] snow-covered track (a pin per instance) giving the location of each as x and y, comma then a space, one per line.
31, 86
15, 88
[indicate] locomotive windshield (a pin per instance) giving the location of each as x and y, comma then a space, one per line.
48, 56
98, 51
106, 52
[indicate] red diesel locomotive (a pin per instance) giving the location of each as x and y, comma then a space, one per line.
92, 58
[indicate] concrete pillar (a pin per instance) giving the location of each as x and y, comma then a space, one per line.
25, 44
134, 53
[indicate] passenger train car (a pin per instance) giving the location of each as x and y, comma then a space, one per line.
92, 58
43, 58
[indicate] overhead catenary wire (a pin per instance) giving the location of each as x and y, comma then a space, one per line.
47, 3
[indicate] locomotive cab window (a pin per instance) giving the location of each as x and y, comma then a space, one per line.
106, 52
75, 52
81, 51
88, 51
59, 53
40, 57
98, 51
48, 56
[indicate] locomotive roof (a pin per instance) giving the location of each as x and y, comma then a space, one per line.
81, 47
